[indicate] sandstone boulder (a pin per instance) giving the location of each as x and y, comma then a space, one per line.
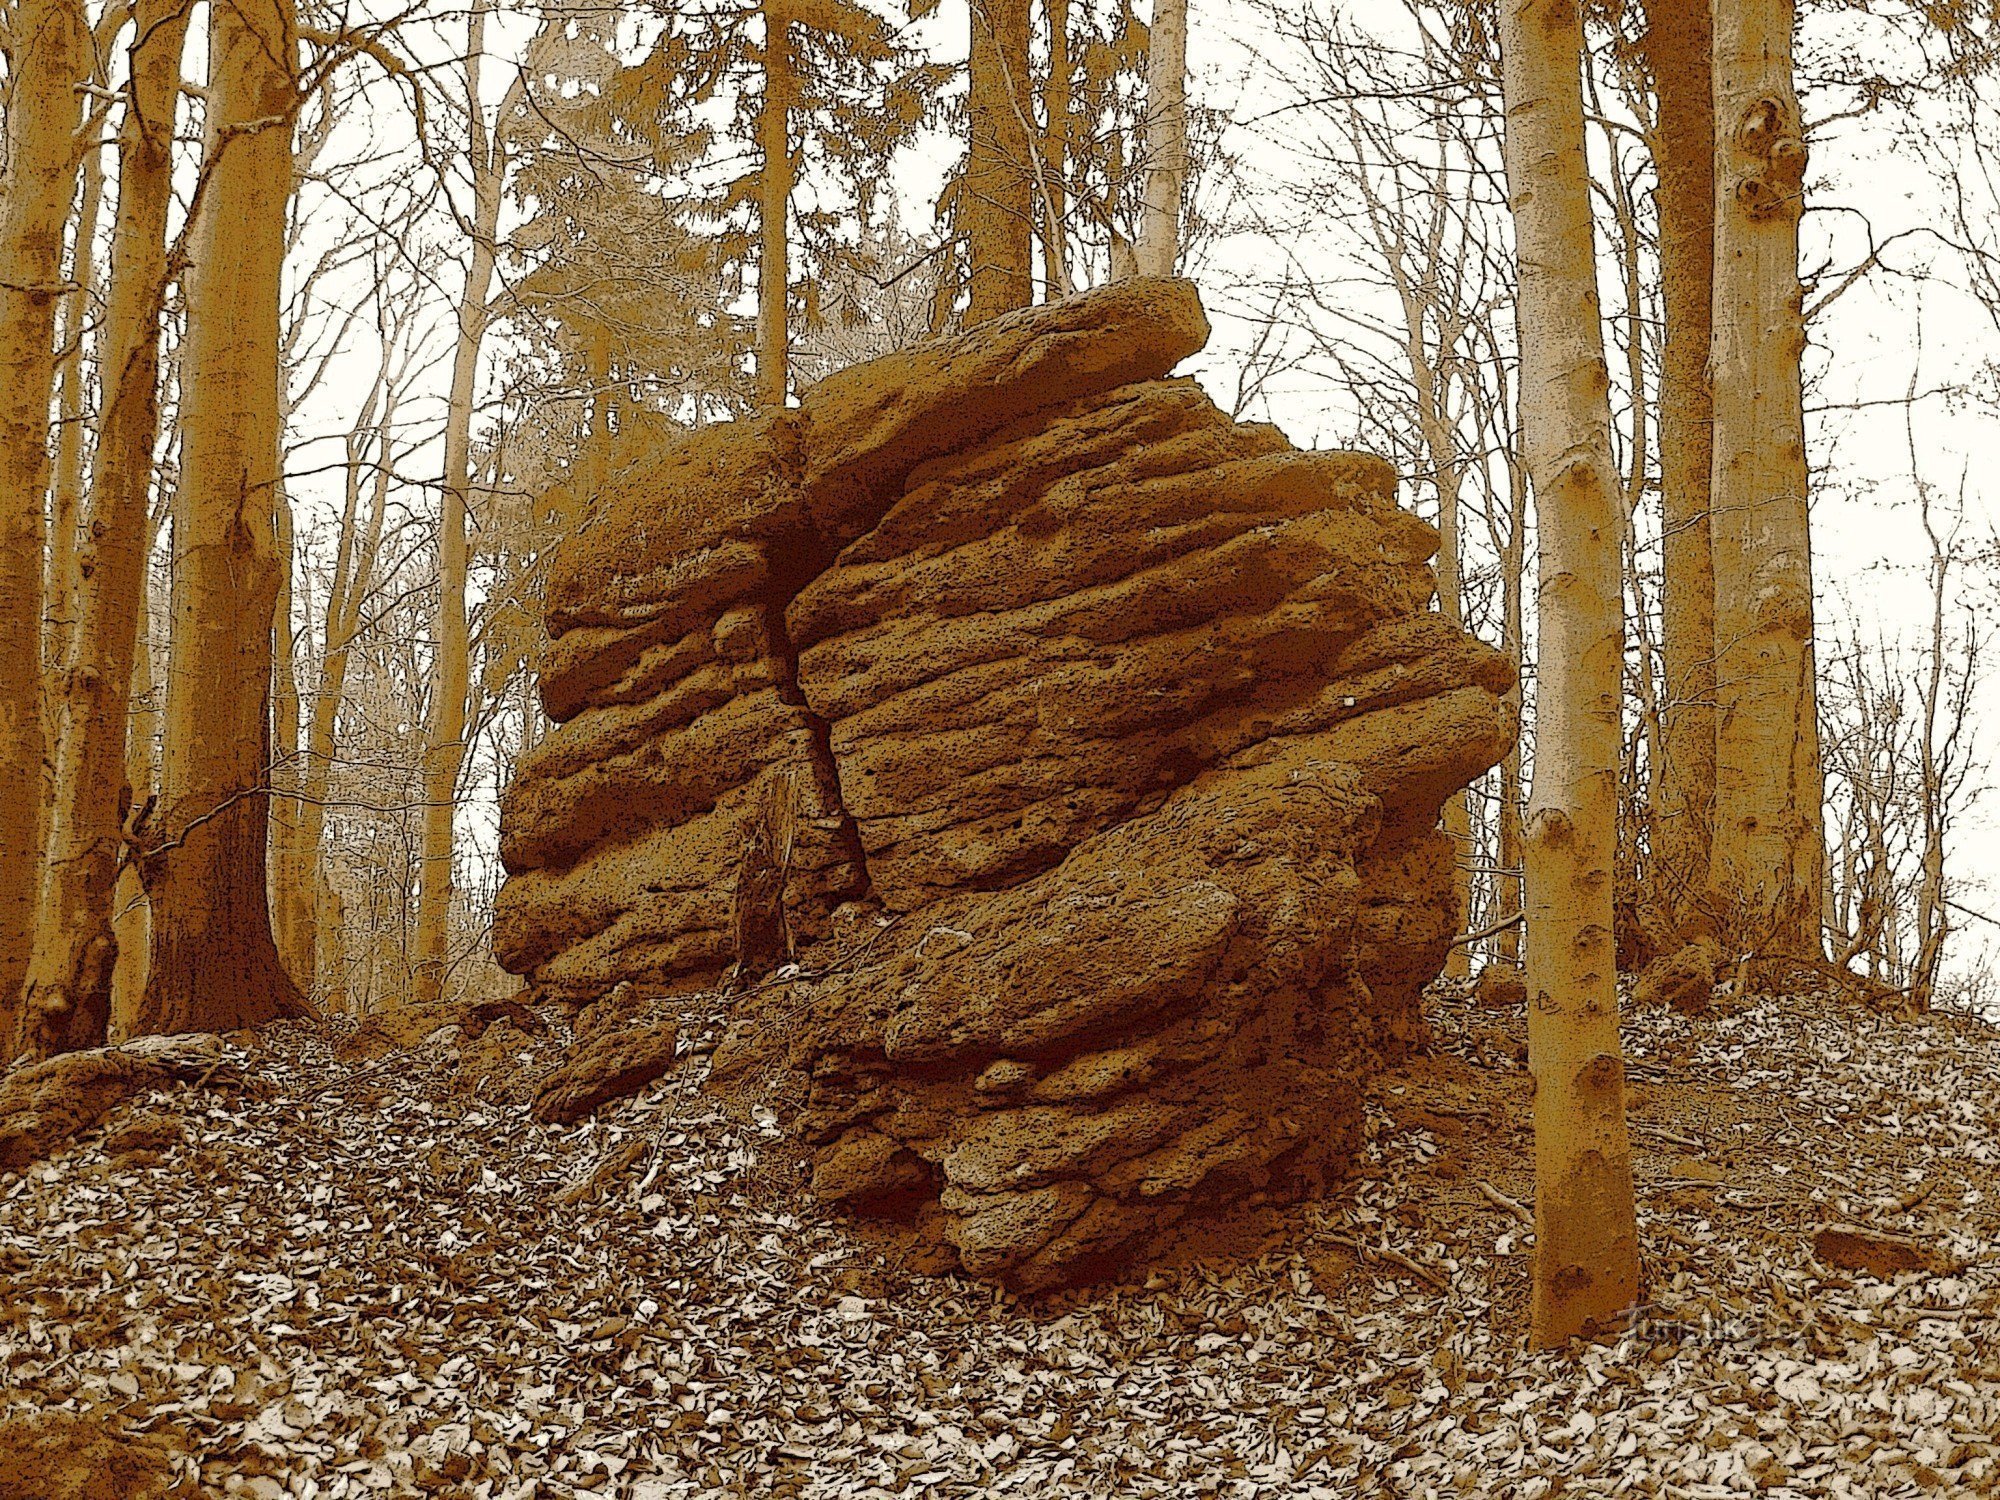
1083, 745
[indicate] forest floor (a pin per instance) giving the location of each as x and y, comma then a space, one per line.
332, 1278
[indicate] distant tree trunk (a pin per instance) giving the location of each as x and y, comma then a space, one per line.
1056, 105
1158, 250
1768, 838
1586, 1267
998, 214
444, 741
69, 990
48, 57
319, 946
291, 891
214, 965
775, 204
1677, 44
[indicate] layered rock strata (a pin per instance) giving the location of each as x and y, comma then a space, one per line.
1086, 745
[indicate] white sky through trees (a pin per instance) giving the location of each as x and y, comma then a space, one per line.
1912, 322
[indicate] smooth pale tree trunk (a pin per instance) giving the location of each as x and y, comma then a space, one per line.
317, 950
49, 56
214, 966
998, 210
1586, 1266
774, 186
444, 740
1768, 857
69, 989
1056, 107
291, 890
1677, 46
1158, 251
66, 493
131, 921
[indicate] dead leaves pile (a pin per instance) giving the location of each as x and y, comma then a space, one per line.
397, 1289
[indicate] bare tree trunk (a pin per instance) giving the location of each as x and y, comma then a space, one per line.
998, 212
48, 57
1586, 1269
131, 915
1056, 107
1158, 249
775, 206
214, 965
318, 952
444, 743
1768, 839
1678, 37
69, 985
66, 494
291, 893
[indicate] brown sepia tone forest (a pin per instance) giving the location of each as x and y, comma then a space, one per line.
827, 748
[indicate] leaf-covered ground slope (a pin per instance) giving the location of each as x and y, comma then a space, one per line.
321, 1275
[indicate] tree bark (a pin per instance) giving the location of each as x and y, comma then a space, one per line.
1586, 1267
1158, 250
1768, 842
774, 210
998, 205
1678, 38
444, 740
49, 55
214, 965
1056, 106
66, 493
70, 977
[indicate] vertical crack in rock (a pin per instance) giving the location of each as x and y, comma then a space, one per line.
1135, 720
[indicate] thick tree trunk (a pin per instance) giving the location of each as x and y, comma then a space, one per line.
444, 740
1586, 1270
1158, 250
69, 989
49, 56
774, 187
214, 965
1768, 855
997, 214
1678, 48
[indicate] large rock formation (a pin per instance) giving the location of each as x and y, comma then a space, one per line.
1086, 746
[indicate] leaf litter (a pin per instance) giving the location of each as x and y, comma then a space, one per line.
329, 1280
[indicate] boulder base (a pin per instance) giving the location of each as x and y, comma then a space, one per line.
1080, 747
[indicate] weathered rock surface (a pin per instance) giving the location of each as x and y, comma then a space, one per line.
1130, 721
46, 1105
614, 1065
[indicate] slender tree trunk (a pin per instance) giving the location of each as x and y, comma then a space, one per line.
1768, 838
1158, 250
998, 212
66, 494
1677, 43
291, 891
319, 945
1586, 1269
775, 193
69, 989
1056, 105
48, 57
214, 965
131, 915
444, 744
